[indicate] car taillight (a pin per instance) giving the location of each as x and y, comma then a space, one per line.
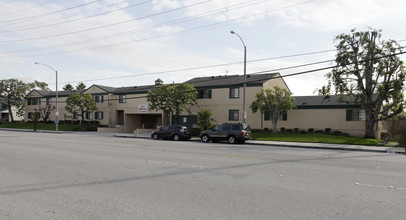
242, 133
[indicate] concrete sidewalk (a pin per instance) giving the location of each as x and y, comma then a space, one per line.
382, 149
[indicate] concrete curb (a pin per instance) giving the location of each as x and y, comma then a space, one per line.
360, 148
393, 150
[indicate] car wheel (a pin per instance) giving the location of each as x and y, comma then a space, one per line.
155, 136
176, 137
232, 140
205, 138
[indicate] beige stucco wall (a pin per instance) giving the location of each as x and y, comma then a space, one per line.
221, 103
52, 100
320, 119
275, 82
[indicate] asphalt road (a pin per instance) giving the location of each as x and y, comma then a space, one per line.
97, 176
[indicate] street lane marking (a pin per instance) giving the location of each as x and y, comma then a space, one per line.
378, 186
174, 164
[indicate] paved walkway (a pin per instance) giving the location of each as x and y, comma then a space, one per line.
383, 149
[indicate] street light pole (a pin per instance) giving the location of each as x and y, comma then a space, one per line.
244, 114
56, 105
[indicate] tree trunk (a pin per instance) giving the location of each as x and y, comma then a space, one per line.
369, 128
83, 118
10, 113
274, 122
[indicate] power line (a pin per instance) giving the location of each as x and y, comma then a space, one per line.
55, 12
109, 25
218, 11
78, 19
26, 9
206, 67
149, 38
279, 76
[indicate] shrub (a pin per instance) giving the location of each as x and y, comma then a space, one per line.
296, 130
310, 130
318, 132
302, 132
327, 130
257, 130
289, 130
283, 129
266, 129
337, 132
78, 128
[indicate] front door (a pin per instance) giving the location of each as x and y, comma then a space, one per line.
120, 117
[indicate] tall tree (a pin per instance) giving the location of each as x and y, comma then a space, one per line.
68, 87
273, 102
13, 92
370, 69
80, 86
41, 85
80, 103
325, 90
172, 98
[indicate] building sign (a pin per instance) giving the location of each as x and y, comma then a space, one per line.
142, 108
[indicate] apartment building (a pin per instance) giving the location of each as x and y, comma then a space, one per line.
125, 109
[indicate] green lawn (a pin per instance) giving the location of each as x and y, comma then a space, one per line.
318, 138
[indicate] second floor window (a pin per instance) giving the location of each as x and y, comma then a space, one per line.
122, 99
234, 93
34, 101
98, 98
204, 94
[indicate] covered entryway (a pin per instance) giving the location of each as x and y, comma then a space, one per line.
142, 121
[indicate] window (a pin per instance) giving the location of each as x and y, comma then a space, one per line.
89, 115
98, 115
282, 117
234, 93
48, 101
204, 94
30, 115
122, 99
233, 115
98, 98
75, 115
355, 115
34, 101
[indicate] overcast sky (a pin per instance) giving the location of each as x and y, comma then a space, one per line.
134, 42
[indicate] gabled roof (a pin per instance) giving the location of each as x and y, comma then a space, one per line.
105, 88
134, 89
232, 80
323, 101
53, 93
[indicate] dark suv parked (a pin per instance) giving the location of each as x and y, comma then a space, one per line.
231, 132
174, 132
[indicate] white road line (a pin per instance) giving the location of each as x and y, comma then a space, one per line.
378, 186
